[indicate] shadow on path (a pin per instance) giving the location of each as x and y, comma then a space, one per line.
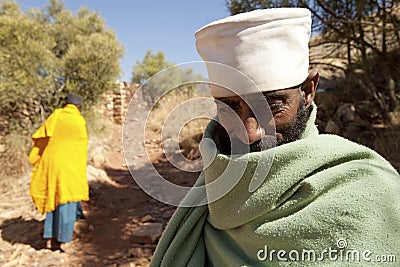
19, 230
115, 211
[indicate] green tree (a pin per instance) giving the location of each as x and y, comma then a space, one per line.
25, 54
156, 75
151, 64
46, 54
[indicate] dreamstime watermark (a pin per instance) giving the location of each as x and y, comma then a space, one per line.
160, 85
340, 253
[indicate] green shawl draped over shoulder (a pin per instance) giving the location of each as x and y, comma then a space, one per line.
325, 201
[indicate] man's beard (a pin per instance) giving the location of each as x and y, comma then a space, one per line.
293, 133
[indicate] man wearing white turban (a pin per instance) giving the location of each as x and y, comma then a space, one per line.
323, 200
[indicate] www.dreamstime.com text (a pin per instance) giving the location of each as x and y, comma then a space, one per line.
340, 253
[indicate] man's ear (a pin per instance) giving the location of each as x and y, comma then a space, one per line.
309, 87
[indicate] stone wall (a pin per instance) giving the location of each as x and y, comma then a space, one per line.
116, 103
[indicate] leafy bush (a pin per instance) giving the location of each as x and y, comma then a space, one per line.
46, 54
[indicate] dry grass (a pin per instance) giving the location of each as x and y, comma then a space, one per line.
190, 137
14, 159
163, 109
189, 134
98, 125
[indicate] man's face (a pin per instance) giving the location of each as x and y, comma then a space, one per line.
289, 113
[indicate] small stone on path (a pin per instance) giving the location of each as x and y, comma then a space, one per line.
147, 233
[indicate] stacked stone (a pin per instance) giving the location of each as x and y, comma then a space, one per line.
116, 103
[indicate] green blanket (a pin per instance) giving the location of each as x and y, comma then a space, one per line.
326, 201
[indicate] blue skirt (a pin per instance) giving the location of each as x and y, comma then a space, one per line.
59, 224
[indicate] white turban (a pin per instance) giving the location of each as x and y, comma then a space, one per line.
268, 46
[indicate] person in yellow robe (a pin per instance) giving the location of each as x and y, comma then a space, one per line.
58, 182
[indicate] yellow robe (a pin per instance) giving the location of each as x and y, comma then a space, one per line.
59, 158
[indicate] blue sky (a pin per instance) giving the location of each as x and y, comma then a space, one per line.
157, 25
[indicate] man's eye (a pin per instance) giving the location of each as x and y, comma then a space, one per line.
275, 106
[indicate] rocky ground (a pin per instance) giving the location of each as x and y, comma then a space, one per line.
123, 223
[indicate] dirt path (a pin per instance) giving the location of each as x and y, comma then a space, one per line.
116, 211
104, 239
